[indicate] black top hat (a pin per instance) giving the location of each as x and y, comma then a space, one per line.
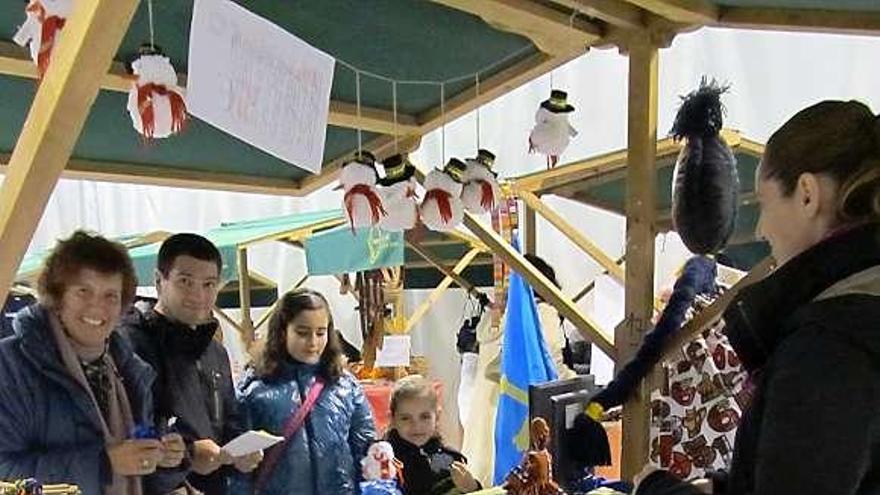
365, 157
558, 102
398, 168
455, 169
485, 158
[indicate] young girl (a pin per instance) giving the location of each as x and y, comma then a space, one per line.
429, 467
300, 365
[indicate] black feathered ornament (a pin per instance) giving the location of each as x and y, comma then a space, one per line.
705, 184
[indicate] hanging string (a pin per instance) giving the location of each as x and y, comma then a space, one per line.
477, 88
443, 124
357, 83
394, 110
150, 15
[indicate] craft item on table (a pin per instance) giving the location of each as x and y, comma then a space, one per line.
358, 178
155, 101
441, 208
480, 192
398, 192
42, 29
552, 131
534, 476
383, 473
705, 183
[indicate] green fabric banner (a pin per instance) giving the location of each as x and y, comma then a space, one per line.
342, 251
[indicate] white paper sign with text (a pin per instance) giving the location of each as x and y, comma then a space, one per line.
259, 83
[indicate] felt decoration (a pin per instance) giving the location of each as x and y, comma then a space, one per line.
480, 192
552, 131
381, 470
42, 29
155, 101
705, 183
398, 192
441, 208
363, 205
534, 476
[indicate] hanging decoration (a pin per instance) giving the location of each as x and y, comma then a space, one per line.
552, 131
480, 192
363, 206
398, 193
441, 209
155, 101
42, 29
705, 182
382, 471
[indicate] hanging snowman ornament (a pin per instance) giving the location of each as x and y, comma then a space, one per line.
155, 101
381, 470
363, 206
42, 29
552, 131
441, 209
480, 192
398, 192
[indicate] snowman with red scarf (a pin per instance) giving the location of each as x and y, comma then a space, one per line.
441, 208
155, 101
363, 206
398, 192
480, 192
42, 29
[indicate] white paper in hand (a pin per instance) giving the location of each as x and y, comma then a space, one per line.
250, 442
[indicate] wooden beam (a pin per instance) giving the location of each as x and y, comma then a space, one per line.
56, 117
552, 31
132, 173
640, 200
229, 321
15, 61
586, 326
382, 147
438, 291
531, 241
683, 11
573, 234
712, 313
244, 298
615, 12
811, 20
439, 265
592, 285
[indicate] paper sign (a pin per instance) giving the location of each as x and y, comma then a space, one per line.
258, 82
394, 352
250, 442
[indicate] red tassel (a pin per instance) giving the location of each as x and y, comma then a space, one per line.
442, 197
50, 26
487, 198
373, 199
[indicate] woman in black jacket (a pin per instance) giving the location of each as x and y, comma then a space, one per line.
809, 334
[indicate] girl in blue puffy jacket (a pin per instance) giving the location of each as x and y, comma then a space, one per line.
302, 354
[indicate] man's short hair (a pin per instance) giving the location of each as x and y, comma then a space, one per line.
187, 244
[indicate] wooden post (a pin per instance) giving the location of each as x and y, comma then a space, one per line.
244, 299
79, 61
531, 241
640, 210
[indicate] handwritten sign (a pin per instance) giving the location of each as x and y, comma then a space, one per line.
258, 82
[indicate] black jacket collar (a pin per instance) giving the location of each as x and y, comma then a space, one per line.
756, 320
179, 338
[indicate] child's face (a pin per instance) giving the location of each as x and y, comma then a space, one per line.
416, 420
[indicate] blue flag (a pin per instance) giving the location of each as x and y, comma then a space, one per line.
524, 361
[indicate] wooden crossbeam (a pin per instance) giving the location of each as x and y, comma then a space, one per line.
14, 61
91, 36
615, 12
682, 11
244, 298
553, 32
812, 20
438, 264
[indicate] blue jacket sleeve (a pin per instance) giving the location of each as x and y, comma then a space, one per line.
363, 429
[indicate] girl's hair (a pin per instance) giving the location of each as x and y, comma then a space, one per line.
274, 349
837, 138
84, 250
413, 387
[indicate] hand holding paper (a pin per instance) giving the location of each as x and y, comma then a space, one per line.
250, 442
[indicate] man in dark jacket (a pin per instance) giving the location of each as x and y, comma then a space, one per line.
194, 385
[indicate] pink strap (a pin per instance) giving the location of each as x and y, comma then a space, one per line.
293, 425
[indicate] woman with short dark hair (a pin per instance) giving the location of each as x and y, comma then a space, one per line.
72, 393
